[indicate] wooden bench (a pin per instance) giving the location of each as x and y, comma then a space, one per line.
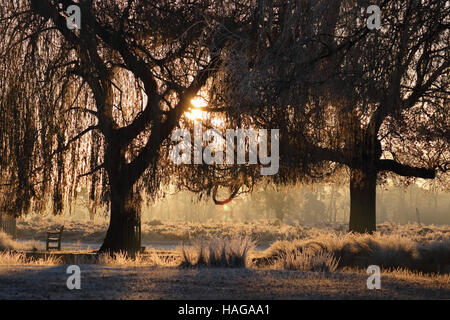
54, 237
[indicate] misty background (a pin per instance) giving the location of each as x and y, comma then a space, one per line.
312, 204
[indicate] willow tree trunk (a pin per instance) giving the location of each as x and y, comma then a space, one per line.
363, 201
124, 227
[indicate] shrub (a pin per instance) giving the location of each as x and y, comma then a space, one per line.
220, 253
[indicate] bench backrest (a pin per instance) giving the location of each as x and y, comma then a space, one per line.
58, 233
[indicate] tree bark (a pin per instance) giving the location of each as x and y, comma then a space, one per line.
362, 201
124, 227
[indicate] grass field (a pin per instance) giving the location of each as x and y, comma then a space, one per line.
218, 261
114, 282
35, 228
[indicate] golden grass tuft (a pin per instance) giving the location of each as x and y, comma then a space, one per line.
231, 252
362, 250
19, 258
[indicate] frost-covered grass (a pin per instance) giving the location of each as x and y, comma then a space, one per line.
8, 243
308, 261
104, 282
10, 258
219, 253
139, 260
354, 250
303, 262
13, 258
263, 230
412, 246
11, 252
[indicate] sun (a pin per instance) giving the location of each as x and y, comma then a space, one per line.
195, 112
199, 102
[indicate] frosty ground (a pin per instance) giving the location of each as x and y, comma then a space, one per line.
294, 262
104, 282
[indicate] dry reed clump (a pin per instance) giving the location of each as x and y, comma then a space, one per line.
308, 261
231, 252
362, 250
19, 258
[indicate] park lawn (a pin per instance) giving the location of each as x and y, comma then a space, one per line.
115, 282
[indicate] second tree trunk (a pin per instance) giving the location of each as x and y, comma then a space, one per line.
362, 201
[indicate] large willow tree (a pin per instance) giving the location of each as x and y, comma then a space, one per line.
96, 106
344, 96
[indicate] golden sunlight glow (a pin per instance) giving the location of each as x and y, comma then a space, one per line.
195, 113
199, 102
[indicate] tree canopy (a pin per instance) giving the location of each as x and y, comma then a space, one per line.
97, 106
375, 101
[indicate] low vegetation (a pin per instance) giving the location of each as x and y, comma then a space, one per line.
308, 261
10, 258
8, 243
139, 260
355, 250
222, 253
306, 248
265, 231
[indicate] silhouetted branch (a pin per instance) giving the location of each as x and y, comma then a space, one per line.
405, 170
